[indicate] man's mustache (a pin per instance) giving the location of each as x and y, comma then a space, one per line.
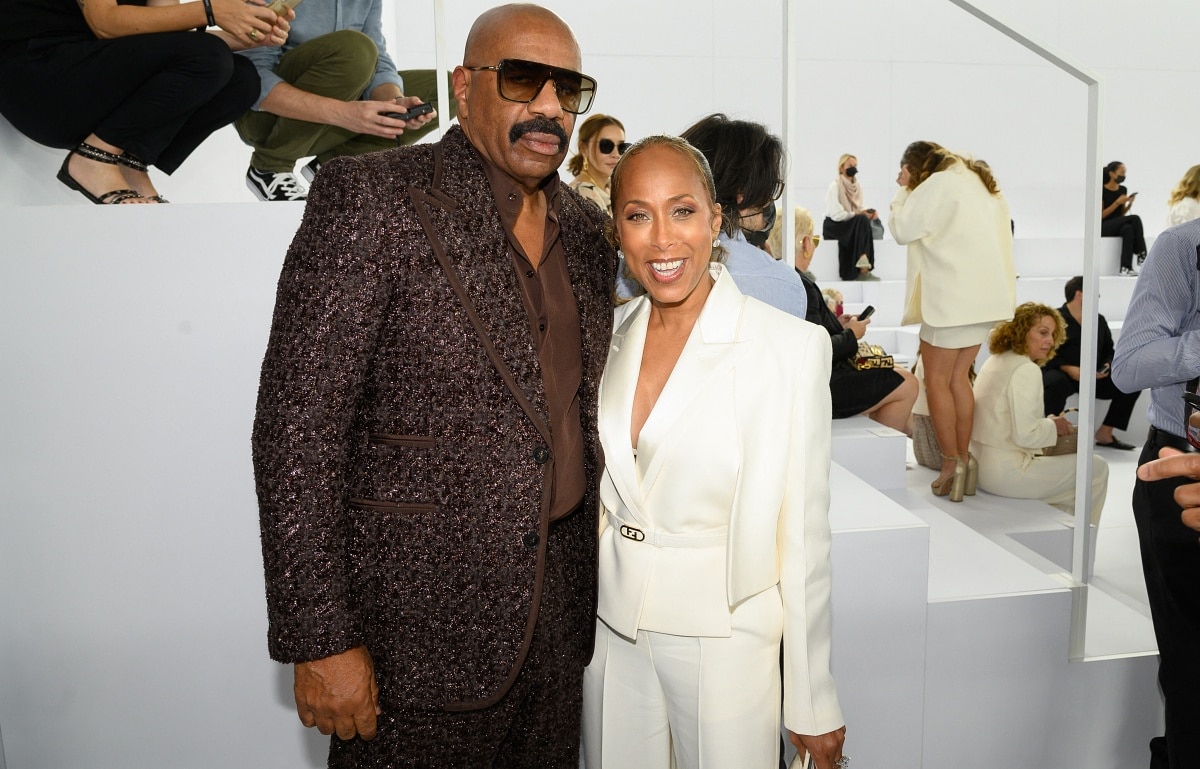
538, 125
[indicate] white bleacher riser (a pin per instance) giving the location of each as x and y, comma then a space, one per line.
870, 450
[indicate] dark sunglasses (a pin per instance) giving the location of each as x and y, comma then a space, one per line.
521, 81
606, 146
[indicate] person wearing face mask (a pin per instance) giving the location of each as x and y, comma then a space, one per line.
848, 221
601, 144
747, 164
1116, 221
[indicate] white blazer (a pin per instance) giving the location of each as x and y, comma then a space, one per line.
960, 261
735, 456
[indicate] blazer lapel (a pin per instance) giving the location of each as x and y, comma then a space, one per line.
711, 350
463, 226
617, 389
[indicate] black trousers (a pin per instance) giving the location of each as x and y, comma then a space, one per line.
854, 239
156, 96
1057, 387
1129, 229
1171, 565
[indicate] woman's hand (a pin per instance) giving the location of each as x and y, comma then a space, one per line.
1061, 425
826, 748
859, 327
250, 22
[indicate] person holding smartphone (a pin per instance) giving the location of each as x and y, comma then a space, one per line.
332, 90
1116, 221
1061, 374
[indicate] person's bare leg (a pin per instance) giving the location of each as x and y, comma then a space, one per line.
895, 410
938, 363
964, 397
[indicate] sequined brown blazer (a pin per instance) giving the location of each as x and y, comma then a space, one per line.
401, 432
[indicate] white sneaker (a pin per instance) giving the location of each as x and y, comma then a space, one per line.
1128, 272
272, 186
309, 170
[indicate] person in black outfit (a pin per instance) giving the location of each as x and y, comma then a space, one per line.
885, 395
124, 85
1060, 375
1115, 219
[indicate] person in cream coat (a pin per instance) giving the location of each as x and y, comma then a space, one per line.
960, 281
714, 534
1010, 426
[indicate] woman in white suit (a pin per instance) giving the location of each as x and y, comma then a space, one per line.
960, 281
1011, 427
714, 532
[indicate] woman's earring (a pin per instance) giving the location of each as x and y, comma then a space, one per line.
716, 242
585, 164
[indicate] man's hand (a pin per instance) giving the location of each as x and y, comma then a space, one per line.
1172, 463
367, 116
826, 748
338, 694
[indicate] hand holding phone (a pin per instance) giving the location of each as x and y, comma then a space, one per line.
414, 111
281, 6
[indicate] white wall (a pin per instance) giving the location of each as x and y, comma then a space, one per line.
875, 76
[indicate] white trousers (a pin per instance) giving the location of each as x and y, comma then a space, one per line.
1050, 479
710, 703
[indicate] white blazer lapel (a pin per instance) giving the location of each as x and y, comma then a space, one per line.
617, 388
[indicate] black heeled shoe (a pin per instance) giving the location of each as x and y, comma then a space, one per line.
83, 149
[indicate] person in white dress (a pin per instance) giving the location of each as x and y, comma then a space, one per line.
714, 416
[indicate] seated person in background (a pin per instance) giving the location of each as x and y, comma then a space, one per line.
128, 85
1011, 428
1115, 219
848, 221
747, 165
601, 145
885, 395
1185, 198
1060, 375
326, 93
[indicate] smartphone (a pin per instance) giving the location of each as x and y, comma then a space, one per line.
415, 111
867, 312
280, 6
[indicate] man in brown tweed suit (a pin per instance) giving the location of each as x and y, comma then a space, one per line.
424, 446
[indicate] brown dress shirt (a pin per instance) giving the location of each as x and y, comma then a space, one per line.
554, 323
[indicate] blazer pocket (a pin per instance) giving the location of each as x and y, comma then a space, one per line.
408, 441
380, 506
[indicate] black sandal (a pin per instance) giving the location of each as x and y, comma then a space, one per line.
137, 164
86, 150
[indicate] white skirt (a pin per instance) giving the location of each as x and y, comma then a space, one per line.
956, 337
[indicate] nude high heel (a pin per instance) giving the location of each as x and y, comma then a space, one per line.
972, 479
954, 484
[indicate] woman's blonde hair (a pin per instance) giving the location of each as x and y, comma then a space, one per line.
842, 160
927, 158
589, 130
1188, 187
804, 227
1013, 334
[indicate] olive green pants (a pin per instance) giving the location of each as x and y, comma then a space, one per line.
340, 66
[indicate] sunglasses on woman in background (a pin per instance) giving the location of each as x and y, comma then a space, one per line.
606, 146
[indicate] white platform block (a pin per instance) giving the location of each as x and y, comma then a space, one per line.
873, 452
